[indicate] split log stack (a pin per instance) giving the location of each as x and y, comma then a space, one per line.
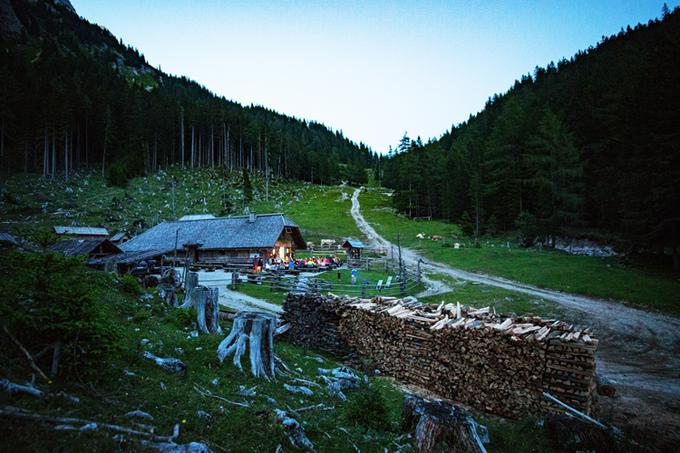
498, 364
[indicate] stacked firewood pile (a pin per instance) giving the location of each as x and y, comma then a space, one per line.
314, 321
473, 356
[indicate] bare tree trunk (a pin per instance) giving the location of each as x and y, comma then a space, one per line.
66, 155
212, 147
54, 154
181, 134
87, 144
266, 171
46, 155
193, 145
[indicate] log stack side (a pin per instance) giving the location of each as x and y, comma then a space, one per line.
491, 362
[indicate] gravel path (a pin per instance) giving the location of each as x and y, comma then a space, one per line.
234, 299
638, 350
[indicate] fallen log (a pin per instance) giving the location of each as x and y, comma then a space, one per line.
27, 354
81, 424
170, 364
294, 431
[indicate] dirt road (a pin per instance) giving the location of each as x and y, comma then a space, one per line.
233, 299
639, 351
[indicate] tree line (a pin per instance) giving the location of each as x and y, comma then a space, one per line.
589, 146
73, 97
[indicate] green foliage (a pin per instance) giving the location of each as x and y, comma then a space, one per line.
130, 285
527, 228
366, 407
247, 186
588, 144
183, 318
68, 77
50, 298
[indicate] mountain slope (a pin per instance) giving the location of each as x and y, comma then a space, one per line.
585, 146
74, 95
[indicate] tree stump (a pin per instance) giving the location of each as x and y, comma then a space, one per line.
253, 331
206, 301
437, 421
192, 283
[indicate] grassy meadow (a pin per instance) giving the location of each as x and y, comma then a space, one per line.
608, 278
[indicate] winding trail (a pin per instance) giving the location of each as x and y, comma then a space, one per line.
639, 350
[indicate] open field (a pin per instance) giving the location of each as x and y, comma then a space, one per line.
608, 278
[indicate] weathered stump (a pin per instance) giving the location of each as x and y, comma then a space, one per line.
437, 421
207, 309
191, 284
253, 331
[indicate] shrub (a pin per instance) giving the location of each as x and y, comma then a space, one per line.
50, 298
130, 285
183, 318
366, 408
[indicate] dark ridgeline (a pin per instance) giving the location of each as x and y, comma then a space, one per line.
585, 146
73, 96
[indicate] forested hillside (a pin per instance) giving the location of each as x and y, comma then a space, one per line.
73, 96
587, 146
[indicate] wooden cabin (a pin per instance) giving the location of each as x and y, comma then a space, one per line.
353, 248
226, 241
89, 248
79, 232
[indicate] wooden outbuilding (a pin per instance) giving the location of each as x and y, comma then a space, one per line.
225, 241
89, 248
81, 232
353, 248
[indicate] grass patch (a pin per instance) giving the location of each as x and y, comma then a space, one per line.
608, 278
129, 382
502, 300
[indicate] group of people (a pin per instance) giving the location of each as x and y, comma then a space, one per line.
310, 263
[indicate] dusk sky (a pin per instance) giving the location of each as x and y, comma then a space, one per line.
371, 69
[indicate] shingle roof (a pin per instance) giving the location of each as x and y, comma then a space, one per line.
220, 233
78, 247
126, 257
118, 236
196, 217
355, 243
8, 238
81, 231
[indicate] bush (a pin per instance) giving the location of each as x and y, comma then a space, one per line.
50, 298
367, 408
130, 285
183, 318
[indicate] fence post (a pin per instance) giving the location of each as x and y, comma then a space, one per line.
234, 280
364, 285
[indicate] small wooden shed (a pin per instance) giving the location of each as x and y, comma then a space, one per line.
353, 248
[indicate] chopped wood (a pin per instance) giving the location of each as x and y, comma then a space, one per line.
494, 363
